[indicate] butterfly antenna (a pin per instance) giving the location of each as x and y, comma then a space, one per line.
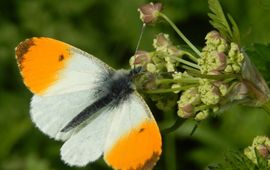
140, 38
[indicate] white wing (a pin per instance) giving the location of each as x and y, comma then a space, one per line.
52, 113
102, 135
88, 144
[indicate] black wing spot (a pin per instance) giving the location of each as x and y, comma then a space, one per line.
61, 57
141, 130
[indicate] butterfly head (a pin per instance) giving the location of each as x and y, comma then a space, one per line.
136, 71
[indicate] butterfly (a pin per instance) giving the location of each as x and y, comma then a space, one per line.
93, 108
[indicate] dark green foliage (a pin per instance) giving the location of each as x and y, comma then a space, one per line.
260, 56
236, 160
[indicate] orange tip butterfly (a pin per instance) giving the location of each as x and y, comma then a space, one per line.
90, 106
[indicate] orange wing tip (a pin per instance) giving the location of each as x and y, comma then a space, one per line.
22, 48
140, 149
150, 163
40, 61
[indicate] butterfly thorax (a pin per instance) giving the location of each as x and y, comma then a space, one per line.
119, 86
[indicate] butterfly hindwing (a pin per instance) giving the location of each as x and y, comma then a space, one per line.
127, 135
134, 140
88, 144
52, 113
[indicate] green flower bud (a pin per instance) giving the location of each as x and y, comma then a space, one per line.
240, 58
213, 37
170, 64
176, 86
212, 62
210, 94
170, 67
215, 42
234, 49
191, 96
223, 88
228, 69
149, 12
236, 68
235, 59
202, 115
222, 47
151, 67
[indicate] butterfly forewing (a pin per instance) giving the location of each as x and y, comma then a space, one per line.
63, 79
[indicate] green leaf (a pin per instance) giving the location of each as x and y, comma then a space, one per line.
235, 160
235, 29
219, 21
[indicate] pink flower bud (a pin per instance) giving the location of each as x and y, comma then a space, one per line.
263, 151
213, 35
161, 41
186, 110
222, 60
141, 58
148, 12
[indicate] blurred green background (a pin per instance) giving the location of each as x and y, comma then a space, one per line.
110, 30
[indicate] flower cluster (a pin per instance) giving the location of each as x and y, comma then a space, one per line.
259, 148
219, 57
200, 83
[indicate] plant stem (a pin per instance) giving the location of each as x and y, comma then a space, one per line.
171, 90
180, 34
170, 146
190, 69
214, 77
192, 57
185, 62
202, 107
182, 80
